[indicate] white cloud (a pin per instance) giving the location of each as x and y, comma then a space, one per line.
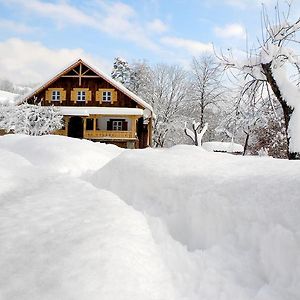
157, 26
116, 19
231, 31
191, 46
25, 61
121, 21
15, 26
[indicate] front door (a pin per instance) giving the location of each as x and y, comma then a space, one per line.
75, 127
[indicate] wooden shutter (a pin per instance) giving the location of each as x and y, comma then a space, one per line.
48, 96
99, 96
124, 125
109, 125
114, 96
63, 96
74, 96
88, 95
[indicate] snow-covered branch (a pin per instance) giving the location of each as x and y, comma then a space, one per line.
264, 70
194, 135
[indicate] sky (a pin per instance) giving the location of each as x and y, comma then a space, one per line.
40, 37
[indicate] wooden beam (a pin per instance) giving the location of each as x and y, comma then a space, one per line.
80, 74
133, 125
75, 71
150, 132
95, 124
85, 71
90, 76
84, 126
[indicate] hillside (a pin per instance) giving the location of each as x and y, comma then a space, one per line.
7, 97
82, 220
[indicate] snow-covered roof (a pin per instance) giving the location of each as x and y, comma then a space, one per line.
107, 78
86, 111
7, 97
223, 147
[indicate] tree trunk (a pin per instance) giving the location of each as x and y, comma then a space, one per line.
202, 113
287, 110
196, 136
246, 143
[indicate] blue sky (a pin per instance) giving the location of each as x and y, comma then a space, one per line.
37, 37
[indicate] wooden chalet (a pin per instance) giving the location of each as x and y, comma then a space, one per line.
96, 107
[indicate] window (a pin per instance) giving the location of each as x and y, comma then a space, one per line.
89, 125
117, 125
106, 96
55, 95
81, 96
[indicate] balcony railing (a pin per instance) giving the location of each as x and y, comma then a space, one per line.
108, 134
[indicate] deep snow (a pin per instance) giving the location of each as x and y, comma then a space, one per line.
81, 220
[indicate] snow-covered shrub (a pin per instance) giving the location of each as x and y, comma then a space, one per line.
30, 119
194, 135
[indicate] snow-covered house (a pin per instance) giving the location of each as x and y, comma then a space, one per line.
96, 107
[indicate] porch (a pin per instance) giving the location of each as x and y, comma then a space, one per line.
101, 127
129, 127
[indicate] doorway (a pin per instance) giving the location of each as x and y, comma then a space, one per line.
75, 127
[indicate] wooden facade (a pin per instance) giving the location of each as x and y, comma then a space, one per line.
96, 107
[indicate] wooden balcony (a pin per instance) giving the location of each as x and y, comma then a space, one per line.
103, 134
60, 132
108, 134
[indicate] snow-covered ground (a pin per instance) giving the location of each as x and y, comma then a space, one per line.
81, 220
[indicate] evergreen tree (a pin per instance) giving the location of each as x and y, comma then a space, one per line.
121, 71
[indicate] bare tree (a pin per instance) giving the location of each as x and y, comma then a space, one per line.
140, 78
167, 92
265, 71
207, 89
242, 116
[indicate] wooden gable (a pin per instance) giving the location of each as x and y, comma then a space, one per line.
82, 77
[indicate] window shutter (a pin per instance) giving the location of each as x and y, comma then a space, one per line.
88, 96
99, 96
63, 96
124, 125
114, 96
48, 96
74, 96
109, 125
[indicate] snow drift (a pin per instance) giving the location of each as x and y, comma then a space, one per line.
81, 220
238, 218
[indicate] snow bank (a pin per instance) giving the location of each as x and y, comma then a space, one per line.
231, 224
62, 238
61, 154
223, 147
81, 220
